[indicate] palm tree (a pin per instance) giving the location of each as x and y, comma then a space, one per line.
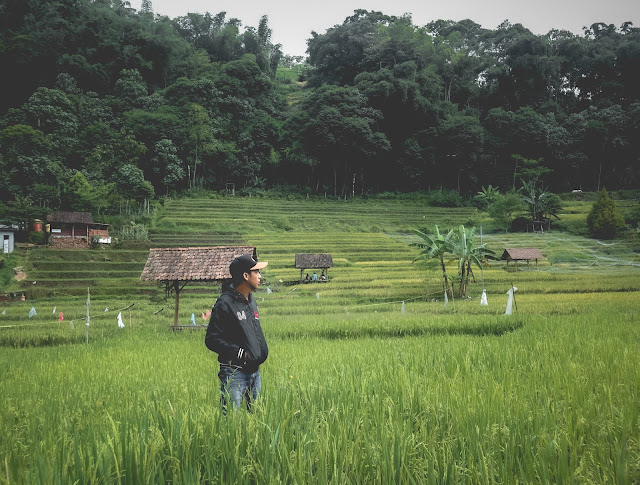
435, 247
468, 253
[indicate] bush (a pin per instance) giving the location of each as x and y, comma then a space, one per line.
36, 237
9, 261
444, 198
282, 222
572, 225
604, 219
503, 208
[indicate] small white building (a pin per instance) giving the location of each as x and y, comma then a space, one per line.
7, 238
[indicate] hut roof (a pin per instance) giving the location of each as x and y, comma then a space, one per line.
192, 264
318, 260
522, 254
73, 218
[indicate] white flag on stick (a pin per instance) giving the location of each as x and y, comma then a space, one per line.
32, 312
120, 322
483, 298
510, 300
446, 300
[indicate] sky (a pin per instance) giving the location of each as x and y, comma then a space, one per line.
292, 21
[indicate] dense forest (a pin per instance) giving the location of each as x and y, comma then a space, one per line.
103, 104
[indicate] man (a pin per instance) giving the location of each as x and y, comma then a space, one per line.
235, 334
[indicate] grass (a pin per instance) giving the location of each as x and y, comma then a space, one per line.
370, 378
553, 400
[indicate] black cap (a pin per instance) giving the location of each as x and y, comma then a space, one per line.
244, 264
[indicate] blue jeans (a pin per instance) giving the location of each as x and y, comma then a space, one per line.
235, 385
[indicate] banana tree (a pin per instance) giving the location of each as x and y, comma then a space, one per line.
468, 252
435, 247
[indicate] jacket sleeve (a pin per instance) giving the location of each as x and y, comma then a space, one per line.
218, 335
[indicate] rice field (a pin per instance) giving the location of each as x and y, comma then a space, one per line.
370, 378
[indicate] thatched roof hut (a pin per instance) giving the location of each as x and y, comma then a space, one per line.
521, 254
76, 225
173, 266
192, 264
322, 261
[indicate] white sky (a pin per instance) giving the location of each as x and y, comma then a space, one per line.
292, 21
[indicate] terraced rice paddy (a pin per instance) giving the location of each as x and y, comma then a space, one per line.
370, 378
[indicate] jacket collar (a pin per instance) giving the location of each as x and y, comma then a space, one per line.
235, 294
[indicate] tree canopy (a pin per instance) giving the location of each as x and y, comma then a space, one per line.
140, 104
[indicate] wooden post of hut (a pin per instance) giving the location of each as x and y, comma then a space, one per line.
315, 261
175, 267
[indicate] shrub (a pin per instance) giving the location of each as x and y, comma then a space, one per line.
503, 207
444, 198
282, 222
36, 237
604, 219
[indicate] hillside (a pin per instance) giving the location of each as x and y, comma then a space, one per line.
438, 392
369, 241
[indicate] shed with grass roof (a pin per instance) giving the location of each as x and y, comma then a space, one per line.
321, 261
521, 254
175, 267
75, 226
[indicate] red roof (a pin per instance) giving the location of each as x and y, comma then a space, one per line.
192, 264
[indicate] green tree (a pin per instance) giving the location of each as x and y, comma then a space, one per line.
461, 140
487, 196
22, 211
167, 164
435, 247
24, 162
336, 127
130, 88
604, 218
338, 55
201, 137
80, 195
503, 208
468, 253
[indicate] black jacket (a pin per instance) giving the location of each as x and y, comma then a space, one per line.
234, 331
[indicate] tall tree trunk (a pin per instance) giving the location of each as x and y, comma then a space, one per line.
445, 277
463, 282
195, 165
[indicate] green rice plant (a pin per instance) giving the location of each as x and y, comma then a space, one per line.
549, 399
370, 378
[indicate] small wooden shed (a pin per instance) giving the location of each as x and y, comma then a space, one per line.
76, 225
175, 267
322, 261
521, 254
7, 238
